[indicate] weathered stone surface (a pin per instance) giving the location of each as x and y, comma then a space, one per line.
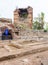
12, 55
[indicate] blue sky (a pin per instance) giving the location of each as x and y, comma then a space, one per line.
7, 7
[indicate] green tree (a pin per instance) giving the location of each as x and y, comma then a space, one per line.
37, 25
39, 21
42, 19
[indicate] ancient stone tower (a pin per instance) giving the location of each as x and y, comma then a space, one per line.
24, 16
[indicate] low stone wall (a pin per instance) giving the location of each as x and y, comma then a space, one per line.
33, 35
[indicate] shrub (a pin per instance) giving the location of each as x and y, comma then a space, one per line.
45, 30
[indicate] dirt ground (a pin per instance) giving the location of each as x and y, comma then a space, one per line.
23, 52
32, 59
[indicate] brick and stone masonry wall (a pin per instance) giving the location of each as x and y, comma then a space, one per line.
30, 17
33, 35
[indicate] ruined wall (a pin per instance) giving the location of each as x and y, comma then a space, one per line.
24, 21
33, 35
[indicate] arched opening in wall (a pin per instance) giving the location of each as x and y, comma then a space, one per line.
6, 35
23, 13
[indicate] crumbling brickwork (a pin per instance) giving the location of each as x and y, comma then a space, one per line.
24, 16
